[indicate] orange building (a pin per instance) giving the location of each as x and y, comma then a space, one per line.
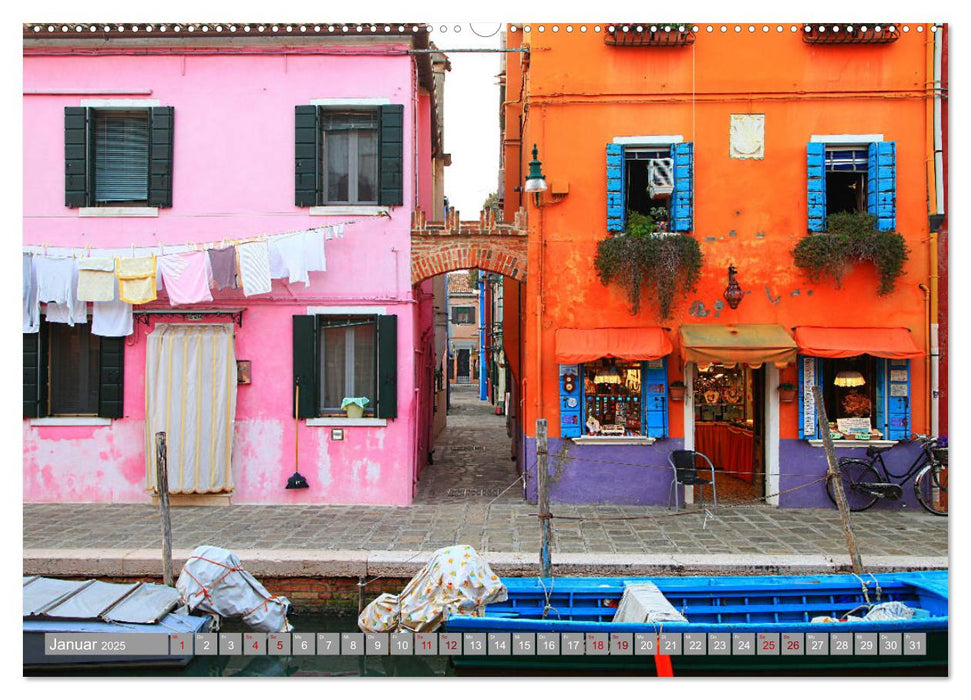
748, 141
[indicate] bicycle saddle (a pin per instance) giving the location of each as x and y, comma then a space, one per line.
873, 450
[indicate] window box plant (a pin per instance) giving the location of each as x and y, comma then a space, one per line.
850, 237
649, 34
858, 33
645, 256
787, 392
676, 390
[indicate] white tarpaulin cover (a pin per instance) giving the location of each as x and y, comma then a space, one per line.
644, 602
456, 581
190, 384
214, 581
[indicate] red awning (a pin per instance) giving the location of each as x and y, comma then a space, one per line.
891, 343
574, 345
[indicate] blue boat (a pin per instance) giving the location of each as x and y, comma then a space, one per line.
786, 605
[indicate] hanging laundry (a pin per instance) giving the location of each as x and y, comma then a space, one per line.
112, 319
31, 305
96, 279
136, 278
223, 264
254, 268
186, 277
72, 311
335, 231
56, 279
288, 257
316, 260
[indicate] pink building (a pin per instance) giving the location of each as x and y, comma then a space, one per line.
160, 139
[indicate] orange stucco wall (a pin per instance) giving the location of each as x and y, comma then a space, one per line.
581, 93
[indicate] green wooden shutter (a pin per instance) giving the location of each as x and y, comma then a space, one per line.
387, 367
391, 156
76, 192
307, 156
161, 150
570, 406
35, 373
305, 365
882, 184
616, 207
111, 378
816, 186
683, 195
654, 398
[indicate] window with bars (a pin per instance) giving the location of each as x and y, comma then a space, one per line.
846, 179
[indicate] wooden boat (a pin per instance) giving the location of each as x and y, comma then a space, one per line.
57, 606
733, 604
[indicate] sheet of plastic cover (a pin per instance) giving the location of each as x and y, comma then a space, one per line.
457, 580
91, 601
644, 602
42, 593
213, 580
148, 604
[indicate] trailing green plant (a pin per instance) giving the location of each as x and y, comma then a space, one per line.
642, 258
850, 238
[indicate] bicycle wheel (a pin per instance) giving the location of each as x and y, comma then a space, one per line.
855, 473
930, 486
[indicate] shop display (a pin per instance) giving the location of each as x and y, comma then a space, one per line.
613, 398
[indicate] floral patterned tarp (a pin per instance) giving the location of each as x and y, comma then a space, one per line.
457, 581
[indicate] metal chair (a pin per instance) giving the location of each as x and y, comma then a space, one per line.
685, 466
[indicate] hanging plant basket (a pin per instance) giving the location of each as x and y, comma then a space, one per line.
676, 389
644, 257
850, 238
787, 393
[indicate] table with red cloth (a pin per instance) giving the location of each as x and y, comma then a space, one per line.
729, 447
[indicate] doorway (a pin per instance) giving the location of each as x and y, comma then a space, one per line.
462, 372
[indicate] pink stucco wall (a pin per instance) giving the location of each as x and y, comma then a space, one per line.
233, 178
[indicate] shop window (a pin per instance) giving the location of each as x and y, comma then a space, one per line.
651, 180
614, 398
118, 156
723, 394
849, 393
338, 356
68, 371
463, 314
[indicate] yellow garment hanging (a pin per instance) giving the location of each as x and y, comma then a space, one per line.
136, 279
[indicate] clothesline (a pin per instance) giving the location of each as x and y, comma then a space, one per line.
166, 248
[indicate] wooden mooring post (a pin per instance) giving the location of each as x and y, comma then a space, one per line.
162, 483
833, 474
543, 497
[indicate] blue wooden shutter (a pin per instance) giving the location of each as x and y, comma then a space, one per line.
387, 367
391, 156
305, 366
816, 185
616, 208
161, 156
76, 193
882, 184
571, 416
654, 398
880, 414
683, 196
898, 400
811, 369
307, 156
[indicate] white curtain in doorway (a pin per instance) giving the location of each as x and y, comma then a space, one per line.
190, 394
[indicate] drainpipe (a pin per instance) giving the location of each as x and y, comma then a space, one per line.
483, 394
934, 206
935, 349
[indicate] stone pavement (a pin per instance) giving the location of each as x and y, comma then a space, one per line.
472, 456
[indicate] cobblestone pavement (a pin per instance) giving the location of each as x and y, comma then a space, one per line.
499, 527
472, 462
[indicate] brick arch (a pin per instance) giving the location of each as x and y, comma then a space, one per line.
438, 247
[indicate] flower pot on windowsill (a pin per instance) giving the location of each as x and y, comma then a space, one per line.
787, 393
677, 391
354, 406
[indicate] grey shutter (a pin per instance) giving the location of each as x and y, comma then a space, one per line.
391, 156
111, 378
387, 367
307, 156
76, 156
305, 366
35, 373
161, 156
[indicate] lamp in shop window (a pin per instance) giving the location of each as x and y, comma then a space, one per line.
849, 377
607, 375
535, 181
733, 293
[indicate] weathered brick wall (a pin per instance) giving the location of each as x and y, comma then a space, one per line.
434, 254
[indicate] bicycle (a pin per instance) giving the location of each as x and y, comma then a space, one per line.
865, 481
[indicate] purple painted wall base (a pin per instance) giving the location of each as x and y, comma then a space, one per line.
615, 474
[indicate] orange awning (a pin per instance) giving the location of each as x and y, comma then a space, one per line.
891, 343
574, 345
750, 344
